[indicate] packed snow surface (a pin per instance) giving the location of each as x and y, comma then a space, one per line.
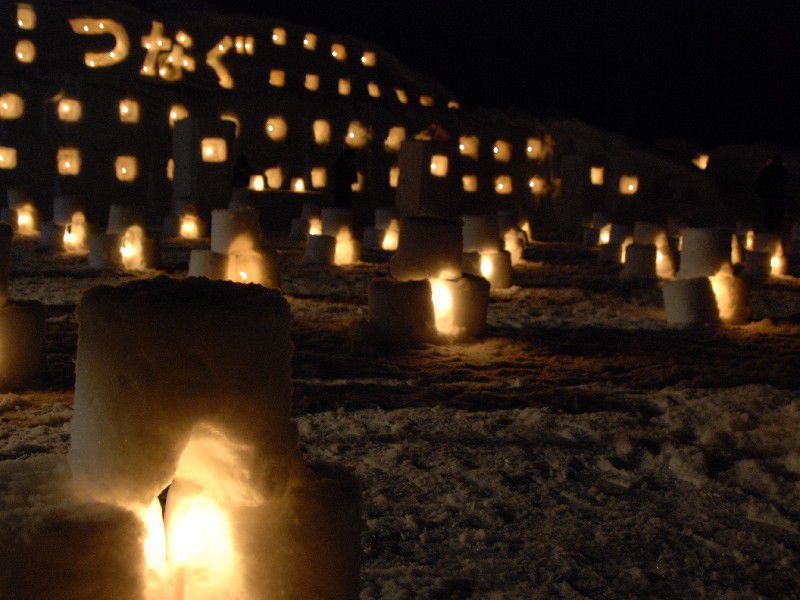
582, 448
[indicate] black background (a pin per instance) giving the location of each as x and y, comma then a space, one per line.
714, 71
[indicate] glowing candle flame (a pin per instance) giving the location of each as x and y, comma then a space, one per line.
442, 299
190, 227
200, 535
392, 236
315, 226
605, 234
486, 266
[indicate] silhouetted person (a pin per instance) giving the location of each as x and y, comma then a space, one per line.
770, 188
242, 171
344, 175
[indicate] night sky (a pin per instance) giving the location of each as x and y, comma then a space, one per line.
712, 71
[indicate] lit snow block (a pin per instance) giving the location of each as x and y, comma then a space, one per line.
51, 236
460, 306
6, 238
401, 312
733, 297
609, 254
704, 252
334, 220
384, 217
514, 242
348, 249
640, 262
65, 207
428, 248
372, 238
258, 266
320, 250
235, 230
208, 264
22, 330
199, 352
480, 233
757, 265
130, 251
494, 267
690, 302
310, 210
10, 217
123, 216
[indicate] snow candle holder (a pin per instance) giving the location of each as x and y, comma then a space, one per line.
245, 517
320, 250
481, 233
494, 267
234, 229
428, 248
690, 302
122, 216
640, 262
704, 252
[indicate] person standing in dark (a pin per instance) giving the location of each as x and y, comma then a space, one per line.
242, 171
770, 188
344, 176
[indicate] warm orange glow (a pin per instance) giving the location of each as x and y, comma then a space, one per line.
200, 535
298, 185
190, 227
597, 175
628, 185
103, 27
345, 248
369, 59
257, 183
322, 132
750, 240
26, 17
358, 185
534, 148
628, 241
503, 185
132, 249
126, 168
232, 118
277, 78
310, 41
513, 245
402, 97
345, 87
468, 146
214, 150
128, 111
276, 128
8, 157
68, 161
170, 169
394, 176
26, 220
442, 299
25, 51
75, 235
319, 177
274, 178
394, 138
373, 89
312, 82
701, 161
315, 226
391, 236
177, 112
439, 165
501, 151
155, 540
69, 110
605, 234
357, 135
11, 106
339, 52
486, 266
537, 186
777, 263
470, 183
279, 36
426, 101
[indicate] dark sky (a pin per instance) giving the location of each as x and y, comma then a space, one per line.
714, 71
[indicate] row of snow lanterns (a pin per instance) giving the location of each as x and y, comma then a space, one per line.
704, 289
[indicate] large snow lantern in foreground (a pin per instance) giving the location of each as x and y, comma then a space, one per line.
208, 420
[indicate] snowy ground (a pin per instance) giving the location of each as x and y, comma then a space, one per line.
582, 448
